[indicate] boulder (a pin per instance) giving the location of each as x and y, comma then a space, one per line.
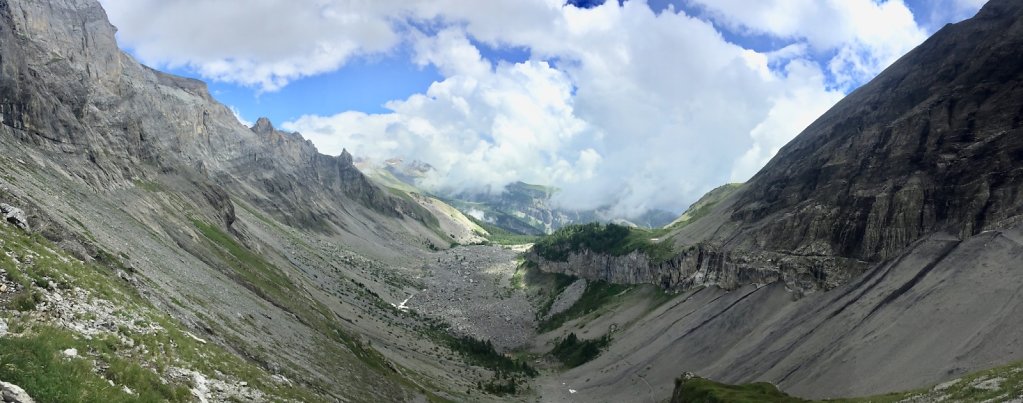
14, 216
11, 393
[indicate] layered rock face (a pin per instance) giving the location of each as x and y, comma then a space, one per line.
703, 264
932, 144
293, 180
66, 88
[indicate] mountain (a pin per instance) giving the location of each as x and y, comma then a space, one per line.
155, 249
927, 146
520, 208
176, 254
878, 251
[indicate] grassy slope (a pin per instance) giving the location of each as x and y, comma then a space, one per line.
30, 355
997, 384
613, 239
699, 390
597, 295
704, 205
341, 348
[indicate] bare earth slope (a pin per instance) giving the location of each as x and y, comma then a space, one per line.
942, 309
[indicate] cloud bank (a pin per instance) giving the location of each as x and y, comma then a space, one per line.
617, 105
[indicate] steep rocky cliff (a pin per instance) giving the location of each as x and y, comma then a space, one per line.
932, 144
248, 237
66, 87
702, 265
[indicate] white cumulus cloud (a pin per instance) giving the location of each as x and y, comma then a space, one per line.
261, 43
617, 105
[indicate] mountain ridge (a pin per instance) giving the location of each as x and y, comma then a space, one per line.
251, 239
260, 269
892, 162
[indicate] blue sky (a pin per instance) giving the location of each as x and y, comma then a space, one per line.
630, 105
367, 83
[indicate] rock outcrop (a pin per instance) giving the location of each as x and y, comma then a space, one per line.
705, 265
14, 216
11, 393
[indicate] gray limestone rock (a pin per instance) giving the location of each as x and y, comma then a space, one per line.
932, 144
14, 216
14, 394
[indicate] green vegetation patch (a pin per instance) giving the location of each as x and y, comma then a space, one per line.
699, 390
30, 356
705, 205
479, 352
148, 186
502, 385
573, 351
998, 384
597, 295
270, 283
612, 239
35, 363
262, 277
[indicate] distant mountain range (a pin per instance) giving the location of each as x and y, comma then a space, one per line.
519, 207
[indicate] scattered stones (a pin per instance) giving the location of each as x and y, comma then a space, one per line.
470, 289
70, 353
78, 311
281, 379
11, 393
207, 389
14, 216
989, 384
945, 385
567, 298
3, 327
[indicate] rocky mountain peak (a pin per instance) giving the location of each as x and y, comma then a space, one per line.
263, 126
346, 157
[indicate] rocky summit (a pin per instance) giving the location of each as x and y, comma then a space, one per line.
157, 249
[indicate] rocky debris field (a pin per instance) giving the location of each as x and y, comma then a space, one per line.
567, 298
471, 288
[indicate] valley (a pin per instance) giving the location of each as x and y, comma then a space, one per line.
154, 248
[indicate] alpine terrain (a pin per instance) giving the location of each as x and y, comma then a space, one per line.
156, 249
